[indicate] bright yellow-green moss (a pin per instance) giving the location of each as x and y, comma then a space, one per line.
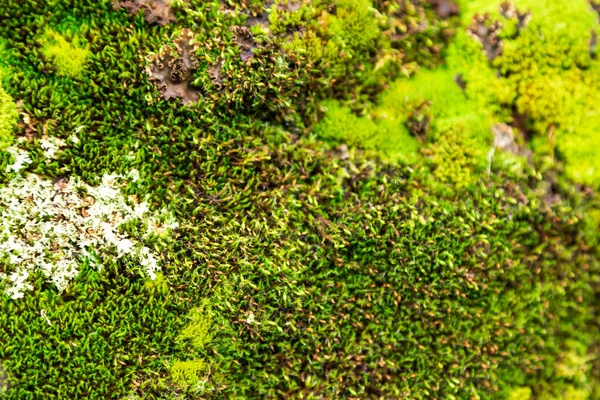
522, 393
158, 285
545, 73
571, 375
449, 105
354, 27
67, 56
197, 333
187, 373
8, 118
198, 330
574, 363
385, 135
483, 86
337, 42
455, 158
458, 136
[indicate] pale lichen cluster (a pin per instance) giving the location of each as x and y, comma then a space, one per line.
55, 227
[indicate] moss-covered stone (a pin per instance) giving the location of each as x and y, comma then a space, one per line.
407, 264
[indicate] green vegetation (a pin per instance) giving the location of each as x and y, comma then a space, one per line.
186, 373
8, 118
544, 75
427, 118
68, 57
371, 199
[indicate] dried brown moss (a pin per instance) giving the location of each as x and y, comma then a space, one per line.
487, 32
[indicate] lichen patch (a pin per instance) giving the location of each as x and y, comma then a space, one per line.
173, 70
52, 227
245, 41
155, 11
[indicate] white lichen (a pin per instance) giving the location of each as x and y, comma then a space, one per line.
54, 228
50, 145
22, 159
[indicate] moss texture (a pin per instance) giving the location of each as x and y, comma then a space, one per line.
375, 199
543, 75
67, 57
8, 118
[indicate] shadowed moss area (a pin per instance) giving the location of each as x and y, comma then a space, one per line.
371, 201
92, 339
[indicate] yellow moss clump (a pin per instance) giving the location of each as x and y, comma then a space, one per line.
546, 72
186, 373
456, 132
521, 393
197, 334
68, 57
197, 331
8, 118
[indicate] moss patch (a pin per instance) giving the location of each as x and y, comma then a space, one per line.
67, 56
187, 373
427, 117
8, 118
543, 74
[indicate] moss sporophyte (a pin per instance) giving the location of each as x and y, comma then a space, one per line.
346, 199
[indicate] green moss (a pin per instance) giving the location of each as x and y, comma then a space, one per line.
67, 56
455, 159
456, 139
187, 373
389, 289
157, 286
8, 118
483, 85
449, 105
354, 26
199, 330
363, 44
338, 40
544, 73
522, 393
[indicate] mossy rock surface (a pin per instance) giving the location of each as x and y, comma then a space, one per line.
355, 199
